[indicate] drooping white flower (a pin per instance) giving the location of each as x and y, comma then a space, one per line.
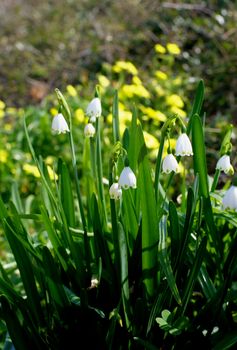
223, 164
115, 191
170, 164
229, 200
94, 108
59, 124
89, 130
183, 146
127, 178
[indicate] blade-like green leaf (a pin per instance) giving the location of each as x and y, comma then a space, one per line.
197, 105
66, 194
164, 259
149, 222
115, 112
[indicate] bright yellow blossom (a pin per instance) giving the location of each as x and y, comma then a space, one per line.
179, 111
150, 140
2, 104
136, 80
160, 49
161, 75
2, 113
173, 49
125, 66
53, 111
103, 81
31, 170
175, 100
71, 90
3, 156
79, 115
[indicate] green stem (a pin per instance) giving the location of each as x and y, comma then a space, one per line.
158, 165
100, 171
215, 180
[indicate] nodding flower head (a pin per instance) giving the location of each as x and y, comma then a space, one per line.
170, 164
223, 164
59, 124
89, 130
183, 146
127, 178
94, 109
229, 200
115, 191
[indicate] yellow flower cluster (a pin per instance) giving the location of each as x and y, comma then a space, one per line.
172, 48
127, 66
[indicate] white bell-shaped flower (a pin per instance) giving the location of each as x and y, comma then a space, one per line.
89, 130
183, 146
115, 191
229, 200
59, 124
170, 164
127, 178
94, 108
223, 164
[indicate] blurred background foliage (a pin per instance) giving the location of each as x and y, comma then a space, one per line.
54, 43
153, 52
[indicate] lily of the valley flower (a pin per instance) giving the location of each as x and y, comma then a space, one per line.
94, 109
89, 130
170, 164
183, 146
59, 124
229, 200
115, 191
224, 165
127, 178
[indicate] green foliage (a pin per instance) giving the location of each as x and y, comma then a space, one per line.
144, 271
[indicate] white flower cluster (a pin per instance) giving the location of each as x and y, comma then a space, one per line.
93, 111
183, 148
126, 180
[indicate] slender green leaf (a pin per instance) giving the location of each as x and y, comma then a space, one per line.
197, 105
115, 112
149, 222
164, 259
124, 274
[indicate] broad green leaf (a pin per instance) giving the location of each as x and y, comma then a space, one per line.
226, 342
149, 222
26, 270
66, 194
164, 259
199, 155
175, 234
193, 274
124, 274
197, 105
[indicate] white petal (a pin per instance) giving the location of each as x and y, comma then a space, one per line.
170, 164
94, 108
89, 130
183, 146
229, 200
127, 178
115, 191
59, 124
224, 164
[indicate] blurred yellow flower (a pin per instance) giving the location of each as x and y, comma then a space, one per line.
79, 115
71, 90
125, 66
175, 100
103, 81
3, 156
2, 104
152, 113
134, 90
160, 49
179, 111
173, 49
159, 90
150, 140
53, 111
2, 113
49, 160
7, 126
11, 110
161, 75
31, 170
136, 80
